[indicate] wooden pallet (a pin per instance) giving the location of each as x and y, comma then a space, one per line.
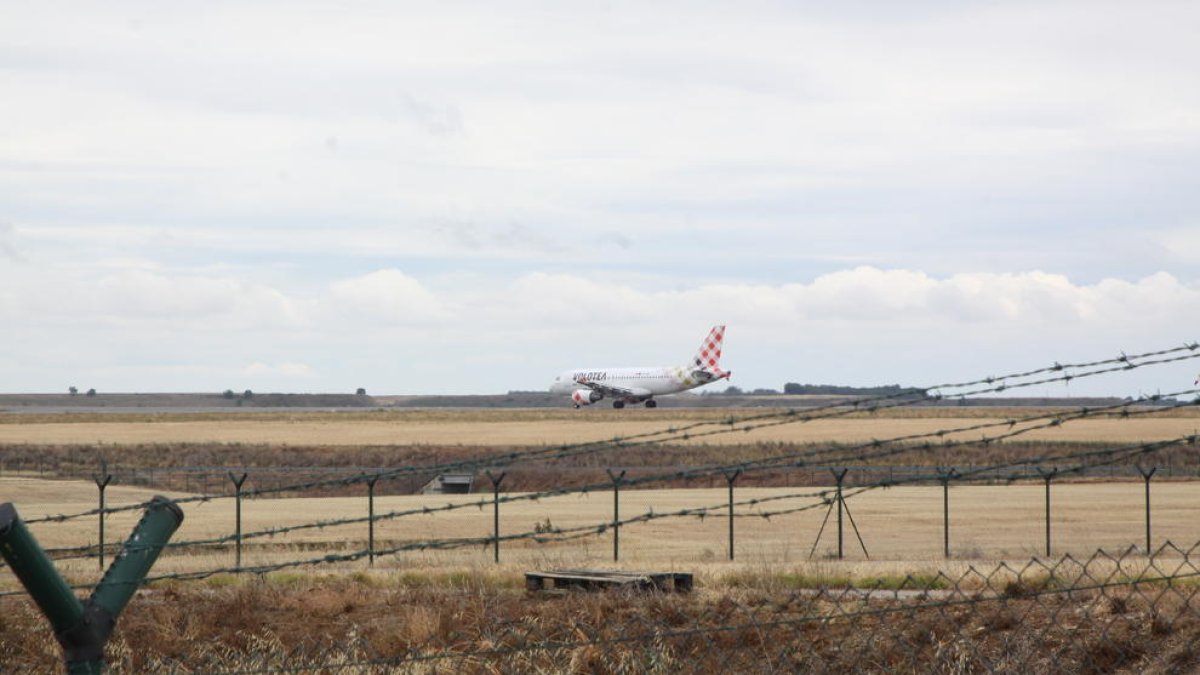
594, 580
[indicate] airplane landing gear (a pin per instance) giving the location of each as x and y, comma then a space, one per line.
618, 404
651, 403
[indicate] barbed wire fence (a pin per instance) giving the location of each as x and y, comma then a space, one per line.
1068, 464
544, 650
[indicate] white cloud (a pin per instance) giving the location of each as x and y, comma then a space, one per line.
1179, 244
390, 331
8, 245
386, 296
282, 369
137, 295
865, 295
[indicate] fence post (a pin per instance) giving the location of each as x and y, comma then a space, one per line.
237, 494
496, 512
840, 475
1048, 476
945, 476
82, 628
731, 478
616, 481
102, 480
371, 521
1147, 475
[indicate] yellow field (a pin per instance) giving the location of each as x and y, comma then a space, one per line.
901, 527
499, 431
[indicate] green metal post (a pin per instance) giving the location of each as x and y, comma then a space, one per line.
616, 481
37, 574
102, 480
945, 477
1147, 475
371, 521
496, 513
149, 536
82, 629
238, 481
731, 478
1048, 476
840, 476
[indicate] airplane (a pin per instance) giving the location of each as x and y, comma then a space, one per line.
640, 385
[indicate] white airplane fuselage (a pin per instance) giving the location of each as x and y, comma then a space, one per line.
654, 380
637, 385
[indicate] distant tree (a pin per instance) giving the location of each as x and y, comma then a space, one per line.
247, 394
74, 391
842, 390
360, 392
91, 392
765, 392
228, 394
734, 391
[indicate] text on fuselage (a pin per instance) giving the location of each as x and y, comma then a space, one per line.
591, 376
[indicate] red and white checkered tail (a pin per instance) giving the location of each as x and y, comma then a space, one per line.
708, 357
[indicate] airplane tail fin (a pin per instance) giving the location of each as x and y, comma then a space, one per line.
708, 357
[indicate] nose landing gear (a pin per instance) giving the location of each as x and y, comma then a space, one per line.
651, 403
618, 404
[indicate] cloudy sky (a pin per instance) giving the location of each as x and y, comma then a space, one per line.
468, 197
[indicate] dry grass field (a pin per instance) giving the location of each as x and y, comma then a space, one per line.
543, 427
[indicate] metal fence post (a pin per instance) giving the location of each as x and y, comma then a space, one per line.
371, 521
82, 628
731, 478
945, 476
237, 494
840, 475
1147, 475
1048, 476
102, 480
496, 512
616, 481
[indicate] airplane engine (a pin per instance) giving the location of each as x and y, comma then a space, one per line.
586, 396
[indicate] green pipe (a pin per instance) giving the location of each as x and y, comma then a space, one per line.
82, 629
126, 573
36, 572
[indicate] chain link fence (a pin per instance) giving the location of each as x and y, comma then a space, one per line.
1106, 613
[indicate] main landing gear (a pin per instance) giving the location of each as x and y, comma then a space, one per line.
650, 403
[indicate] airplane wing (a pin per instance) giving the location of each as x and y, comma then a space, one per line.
614, 392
